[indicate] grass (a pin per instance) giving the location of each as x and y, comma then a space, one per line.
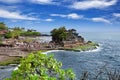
85, 47
10, 60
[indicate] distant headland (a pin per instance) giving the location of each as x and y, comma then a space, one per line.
17, 42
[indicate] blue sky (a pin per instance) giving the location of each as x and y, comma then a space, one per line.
44, 15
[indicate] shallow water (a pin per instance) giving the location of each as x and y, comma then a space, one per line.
108, 54
5, 71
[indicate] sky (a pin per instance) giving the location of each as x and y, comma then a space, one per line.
44, 15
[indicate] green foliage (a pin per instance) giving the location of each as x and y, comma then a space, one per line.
2, 26
16, 32
18, 29
88, 46
0, 39
93, 44
59, 34
13, 34
28, 33
38, 66
8, 35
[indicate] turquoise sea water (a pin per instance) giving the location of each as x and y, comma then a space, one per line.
108, 55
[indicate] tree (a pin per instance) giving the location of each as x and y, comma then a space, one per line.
15, 33
2, 26
8, 35
3, 30
38, 66
59, 34
30, 32
18, 29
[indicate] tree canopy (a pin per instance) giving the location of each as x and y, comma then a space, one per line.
38, 66
14, 33
2, 26
59, 34
17, 31
30, 33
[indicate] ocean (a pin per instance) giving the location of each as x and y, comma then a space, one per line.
106, 57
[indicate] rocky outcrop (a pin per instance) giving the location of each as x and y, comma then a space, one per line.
72, 39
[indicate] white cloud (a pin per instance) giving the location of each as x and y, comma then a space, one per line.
87, 4
33, 1
60, 15
10, 1
49, 20
71, 15
74, 16
100, 19
116, 14
14, 15
42, 1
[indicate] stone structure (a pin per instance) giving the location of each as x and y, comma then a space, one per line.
72, 40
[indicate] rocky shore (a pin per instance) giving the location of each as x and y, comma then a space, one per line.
12, 49
10, 55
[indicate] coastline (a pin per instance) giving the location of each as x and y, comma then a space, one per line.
50, 51
17, 56
10, 55
98, 48
15, 66
94, 50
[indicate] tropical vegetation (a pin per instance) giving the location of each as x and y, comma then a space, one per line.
17, 31
86, 47
2, 26
59, 34
38, 66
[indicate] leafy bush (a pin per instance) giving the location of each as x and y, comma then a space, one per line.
38, 66
0, 39
8, 35
2, 26
26, 33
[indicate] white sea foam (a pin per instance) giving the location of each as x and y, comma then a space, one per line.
94, 50
16, 67
52, 51
98, 48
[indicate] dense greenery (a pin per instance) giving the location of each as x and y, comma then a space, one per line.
59, 34
38, 66
16, 32
0, 40
30, 33
2, 26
